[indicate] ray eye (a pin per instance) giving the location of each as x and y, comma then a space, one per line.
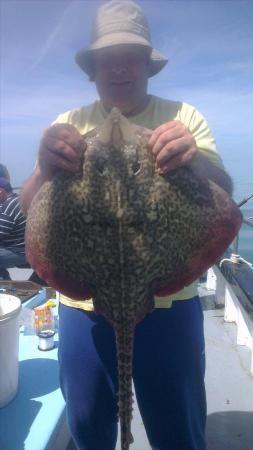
136, 167
100, 165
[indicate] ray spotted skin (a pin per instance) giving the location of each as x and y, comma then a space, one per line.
122, 232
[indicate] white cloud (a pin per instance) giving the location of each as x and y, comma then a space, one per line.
52, 38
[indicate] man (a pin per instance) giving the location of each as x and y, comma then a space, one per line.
12, 230
168, 364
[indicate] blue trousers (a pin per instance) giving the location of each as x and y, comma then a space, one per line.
168, 375
9, 257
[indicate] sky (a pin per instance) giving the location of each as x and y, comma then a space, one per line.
210, 49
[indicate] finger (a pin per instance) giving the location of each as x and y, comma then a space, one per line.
64, 128
161, 129
178, 161
57, 161
171, 150
189, 156
67, 133
61, 148
166, 138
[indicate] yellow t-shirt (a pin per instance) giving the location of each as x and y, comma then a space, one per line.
157, 112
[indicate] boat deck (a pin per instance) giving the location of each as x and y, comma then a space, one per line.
229, 384
229, 387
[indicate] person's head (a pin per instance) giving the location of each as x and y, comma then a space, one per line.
4, 172
120, 58
121, 76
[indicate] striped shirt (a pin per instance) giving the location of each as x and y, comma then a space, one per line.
12, 224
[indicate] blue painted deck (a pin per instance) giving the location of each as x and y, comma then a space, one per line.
33, 419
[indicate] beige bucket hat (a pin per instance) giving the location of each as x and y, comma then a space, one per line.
120, 22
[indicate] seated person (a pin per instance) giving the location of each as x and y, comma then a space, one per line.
5, 178
3, 192
12, 230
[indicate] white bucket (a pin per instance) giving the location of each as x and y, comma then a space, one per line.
10, 308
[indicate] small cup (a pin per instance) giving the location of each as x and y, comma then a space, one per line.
44, 326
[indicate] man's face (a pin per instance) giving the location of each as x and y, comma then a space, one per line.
121, 76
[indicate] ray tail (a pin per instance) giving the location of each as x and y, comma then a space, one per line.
124, 342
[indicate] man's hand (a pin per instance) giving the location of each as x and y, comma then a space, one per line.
172, 145
61, 147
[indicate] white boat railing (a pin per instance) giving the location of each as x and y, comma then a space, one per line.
238, 307
235, 295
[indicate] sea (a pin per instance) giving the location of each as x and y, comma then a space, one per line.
245, 242
241, 169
